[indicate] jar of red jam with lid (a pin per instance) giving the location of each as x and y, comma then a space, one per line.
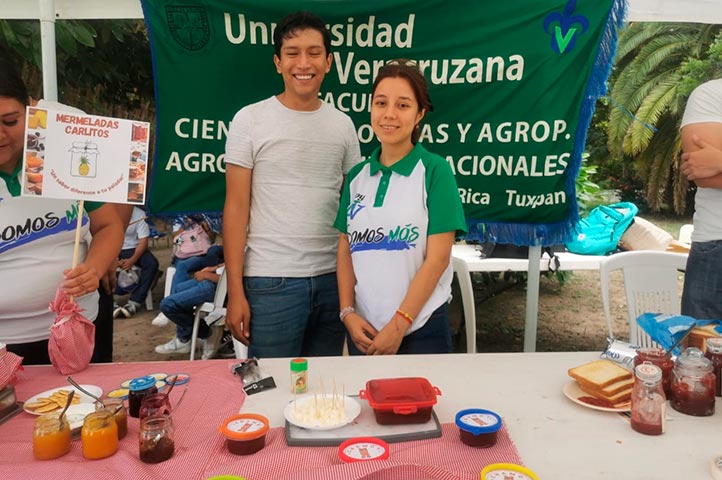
660, 358
714, 354
245, 433
648, 400
693, 384
138, 389
478, 427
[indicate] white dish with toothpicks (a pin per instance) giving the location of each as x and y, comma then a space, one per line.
322, 411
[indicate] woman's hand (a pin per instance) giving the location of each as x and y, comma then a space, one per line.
360, 330
80, 280
389, 339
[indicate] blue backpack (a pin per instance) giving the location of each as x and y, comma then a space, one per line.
599, 233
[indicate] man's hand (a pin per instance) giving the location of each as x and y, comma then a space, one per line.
110, 279
703, 163
125, 264
238, 319
360, 330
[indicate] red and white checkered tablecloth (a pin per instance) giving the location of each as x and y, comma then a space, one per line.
213, 395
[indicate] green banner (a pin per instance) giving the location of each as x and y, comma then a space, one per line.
513, 85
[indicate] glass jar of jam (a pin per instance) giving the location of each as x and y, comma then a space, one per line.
714, 354
693, 384
648, 400
117, 408
99, 436
51, 437
156, 443
138, 389
154, 405
658, 357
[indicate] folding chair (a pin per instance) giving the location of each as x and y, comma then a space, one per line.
651, 284
214, 314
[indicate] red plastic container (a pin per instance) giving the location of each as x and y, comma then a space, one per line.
400, 400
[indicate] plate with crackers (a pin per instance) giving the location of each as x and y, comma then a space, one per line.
55, 398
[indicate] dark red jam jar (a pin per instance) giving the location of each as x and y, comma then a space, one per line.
477, 427
140, 388
658, 357
693, 384
245, 433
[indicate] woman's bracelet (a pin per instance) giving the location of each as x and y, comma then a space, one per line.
405, 316
345, 312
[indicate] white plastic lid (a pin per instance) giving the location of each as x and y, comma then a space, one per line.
648, 372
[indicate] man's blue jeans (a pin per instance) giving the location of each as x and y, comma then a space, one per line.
184, 266
178, 307
702, 294
293, 317
433, 337
148, 265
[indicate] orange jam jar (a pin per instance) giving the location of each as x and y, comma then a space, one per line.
99, 436
116, 407
51, 438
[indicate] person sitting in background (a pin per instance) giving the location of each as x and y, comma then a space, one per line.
135, 253
185, 267
179, 308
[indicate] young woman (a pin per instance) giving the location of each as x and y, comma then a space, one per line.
399, 212
35, 261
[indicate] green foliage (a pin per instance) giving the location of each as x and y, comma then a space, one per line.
589, 194
657, 66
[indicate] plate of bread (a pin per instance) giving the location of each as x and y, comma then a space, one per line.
54, 399
600, 385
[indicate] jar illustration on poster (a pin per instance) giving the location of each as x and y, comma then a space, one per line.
83, 159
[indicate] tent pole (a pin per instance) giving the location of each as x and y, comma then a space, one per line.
532, 298
47, 42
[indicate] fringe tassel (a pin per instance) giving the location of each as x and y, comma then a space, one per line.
565, 230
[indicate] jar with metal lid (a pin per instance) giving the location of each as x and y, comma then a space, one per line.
139, 388
156, 442
99, 436
120, 414
648, 400
714, 354
51, 437
693, 384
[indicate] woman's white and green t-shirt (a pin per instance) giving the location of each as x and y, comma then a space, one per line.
388, 213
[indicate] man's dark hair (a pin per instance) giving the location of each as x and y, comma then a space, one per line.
304, 20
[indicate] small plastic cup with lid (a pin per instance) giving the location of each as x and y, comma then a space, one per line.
504, 471
245, 433
361, 449
478, 427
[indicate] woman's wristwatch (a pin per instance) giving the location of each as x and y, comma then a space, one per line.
345, 312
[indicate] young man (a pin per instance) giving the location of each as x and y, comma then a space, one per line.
285, 161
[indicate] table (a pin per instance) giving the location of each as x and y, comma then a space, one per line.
466, 259
553, 436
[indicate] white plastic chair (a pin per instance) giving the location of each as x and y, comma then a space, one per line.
651, 284
685, 233
214, 313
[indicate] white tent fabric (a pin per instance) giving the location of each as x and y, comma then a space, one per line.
699, 11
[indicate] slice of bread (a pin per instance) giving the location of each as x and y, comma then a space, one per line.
599, 374
617, 398
610, 390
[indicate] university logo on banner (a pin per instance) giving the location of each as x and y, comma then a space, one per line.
188, 25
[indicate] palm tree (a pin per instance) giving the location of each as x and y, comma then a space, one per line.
653, 76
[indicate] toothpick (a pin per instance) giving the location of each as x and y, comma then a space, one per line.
343, 398
333, 402
323, 389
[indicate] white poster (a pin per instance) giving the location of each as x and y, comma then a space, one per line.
85, 157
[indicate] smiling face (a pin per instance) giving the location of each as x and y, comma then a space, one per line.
12, 133
303, 63
395, 113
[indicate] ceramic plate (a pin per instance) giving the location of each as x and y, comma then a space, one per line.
94, 389
76, 415
308, 404
574, 393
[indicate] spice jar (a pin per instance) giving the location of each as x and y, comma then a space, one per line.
138, 389
51, 437
156, 443
154, 405
299, 375
120, 414
648, 400
660, 358
693, 384
99, 436
714, 354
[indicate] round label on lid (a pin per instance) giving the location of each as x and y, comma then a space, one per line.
245, 425
159, 376
479, 419
507, 471
160, 384
180, 378
362, 449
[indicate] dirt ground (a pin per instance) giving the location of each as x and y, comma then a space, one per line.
571, 316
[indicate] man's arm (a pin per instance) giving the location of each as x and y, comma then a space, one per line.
236, 212
702, 158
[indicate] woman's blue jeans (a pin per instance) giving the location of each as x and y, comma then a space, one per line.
178, 307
